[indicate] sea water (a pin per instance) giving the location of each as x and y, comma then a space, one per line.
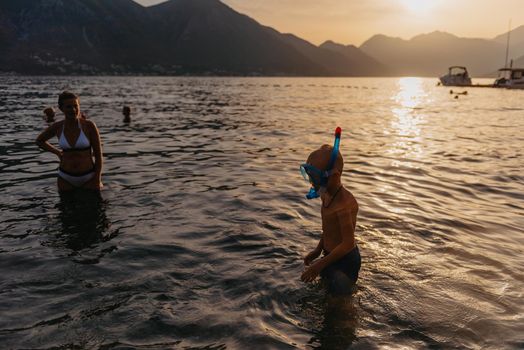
198, 238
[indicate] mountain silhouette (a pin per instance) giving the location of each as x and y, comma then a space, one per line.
516, 43
518, 62
53, 36
356, 58
207, 37
431, 54
174, 37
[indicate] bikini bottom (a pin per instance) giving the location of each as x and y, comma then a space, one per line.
76, 180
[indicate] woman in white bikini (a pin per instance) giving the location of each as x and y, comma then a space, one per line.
79, 141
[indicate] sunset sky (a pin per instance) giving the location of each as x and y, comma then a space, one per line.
354, 21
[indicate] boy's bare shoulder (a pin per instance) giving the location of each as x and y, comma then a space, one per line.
350, 201
346, 202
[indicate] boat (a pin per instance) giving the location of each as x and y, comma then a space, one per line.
512, 78
457, 76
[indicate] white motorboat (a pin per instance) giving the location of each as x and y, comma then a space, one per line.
457, 76
512, 78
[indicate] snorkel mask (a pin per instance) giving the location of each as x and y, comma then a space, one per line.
319, 178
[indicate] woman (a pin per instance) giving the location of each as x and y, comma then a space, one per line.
79, 141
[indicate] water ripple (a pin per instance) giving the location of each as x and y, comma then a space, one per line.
198, 238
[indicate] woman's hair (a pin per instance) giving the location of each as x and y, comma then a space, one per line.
66, 95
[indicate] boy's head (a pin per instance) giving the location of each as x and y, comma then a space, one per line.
317, 173
323, 168
320, 159
49, 114
126, 111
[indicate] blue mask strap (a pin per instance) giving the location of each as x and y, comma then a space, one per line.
333, 158
312, 194
324, 175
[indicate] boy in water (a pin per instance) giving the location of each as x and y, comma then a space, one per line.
49, 115
340, 264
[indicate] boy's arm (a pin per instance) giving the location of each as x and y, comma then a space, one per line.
315, 253
348, 242
320, 244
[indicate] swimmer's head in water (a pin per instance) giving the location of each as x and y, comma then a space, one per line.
320, 165
69, 103
126, 111
49, 113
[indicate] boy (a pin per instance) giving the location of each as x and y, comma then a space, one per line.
340, 264
49, 115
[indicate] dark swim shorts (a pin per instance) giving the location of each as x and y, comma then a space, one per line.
341, 276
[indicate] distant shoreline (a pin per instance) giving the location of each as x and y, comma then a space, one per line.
15, 74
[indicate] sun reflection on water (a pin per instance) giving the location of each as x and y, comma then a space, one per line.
408, 118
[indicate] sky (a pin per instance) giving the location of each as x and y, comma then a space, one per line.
355, 21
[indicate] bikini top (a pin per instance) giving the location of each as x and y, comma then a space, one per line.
82, 142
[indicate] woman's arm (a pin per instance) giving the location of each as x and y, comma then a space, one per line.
42, 139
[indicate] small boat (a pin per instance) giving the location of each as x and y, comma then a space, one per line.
512, 78
457, 76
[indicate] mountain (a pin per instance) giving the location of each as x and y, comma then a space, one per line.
206, 37
516, 41
174, 37
52, 36
431, 54
357, 59
519, 62
338, 63
206, 34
